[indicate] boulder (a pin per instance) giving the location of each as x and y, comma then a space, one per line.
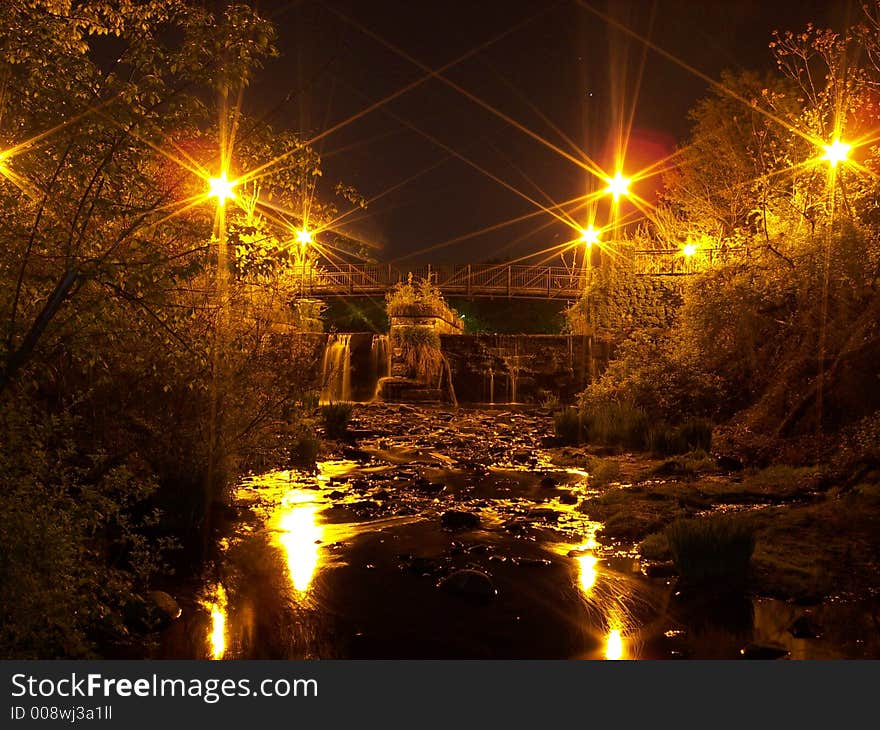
469, 583
459, 520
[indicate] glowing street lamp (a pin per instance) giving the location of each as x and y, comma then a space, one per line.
618, 186
836, 152
590, 236
305, 238
221, 188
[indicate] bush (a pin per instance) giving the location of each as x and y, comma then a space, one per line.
692, 435
567, 426
712, 551
420, 352
336, 417
304, 447
618, 424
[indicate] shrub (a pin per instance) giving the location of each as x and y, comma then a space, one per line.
696, 435
654, 547
304, 446
336, 417
567, 426
618, 424
693, 435
420, 352
712, 551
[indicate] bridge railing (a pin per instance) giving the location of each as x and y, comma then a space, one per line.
503, 279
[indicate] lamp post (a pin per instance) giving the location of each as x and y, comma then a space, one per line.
836, 152
221, 188
304, 238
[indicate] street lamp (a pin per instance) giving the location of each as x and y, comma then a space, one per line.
836, 152
305, 238
618, 186
221, 188
590, 236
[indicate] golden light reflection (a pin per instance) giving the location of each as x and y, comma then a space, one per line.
614, 645
221, 188
300, 535
836, 152
216, 604
587, 571
304, 237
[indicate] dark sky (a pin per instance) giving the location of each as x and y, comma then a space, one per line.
561, 71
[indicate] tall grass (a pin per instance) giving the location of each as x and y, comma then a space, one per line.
336, 417
618, 424
692, 435
566, 424
713, 551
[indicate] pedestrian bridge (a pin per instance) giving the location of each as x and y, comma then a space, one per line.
492, 280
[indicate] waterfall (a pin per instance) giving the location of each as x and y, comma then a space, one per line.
336, 369
380, 352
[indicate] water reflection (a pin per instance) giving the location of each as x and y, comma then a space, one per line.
300, 535
614, 645
216, 604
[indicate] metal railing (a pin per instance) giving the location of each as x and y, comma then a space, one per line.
546, 282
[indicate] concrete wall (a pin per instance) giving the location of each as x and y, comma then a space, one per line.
522, 368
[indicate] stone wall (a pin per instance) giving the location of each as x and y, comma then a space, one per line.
522, 368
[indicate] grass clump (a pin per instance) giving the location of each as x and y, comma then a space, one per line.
336, 417
618, 424
654, 547
712, 551
692, 435
567, 425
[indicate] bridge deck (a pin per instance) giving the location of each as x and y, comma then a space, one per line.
492, 280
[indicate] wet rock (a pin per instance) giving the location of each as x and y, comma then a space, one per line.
459, 520
661, 570
803, 627
428, 487
549, 482
545, 514
523, 456
336, 494
763, 651
568, 498
164, 605
532, 562
469, 583
381, 494
517, 526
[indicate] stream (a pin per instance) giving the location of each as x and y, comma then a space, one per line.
441, 534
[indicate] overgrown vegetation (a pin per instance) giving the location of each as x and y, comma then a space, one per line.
143, 365
716, 551
778, 334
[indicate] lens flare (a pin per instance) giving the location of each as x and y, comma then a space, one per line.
590, 236
221, 188
304, 237
836, 152
689, 249
618, 185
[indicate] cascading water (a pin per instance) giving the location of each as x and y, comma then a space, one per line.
336, 369
380, 352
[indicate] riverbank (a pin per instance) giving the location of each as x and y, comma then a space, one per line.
439, 533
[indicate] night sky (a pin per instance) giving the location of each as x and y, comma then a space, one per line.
560, 71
